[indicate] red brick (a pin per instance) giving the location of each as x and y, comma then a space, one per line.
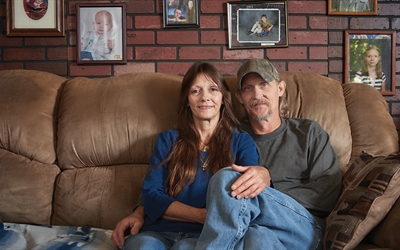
396, 23
336, 37
290, 53
213, 37
337, 77
238, 54
336, 66
23, 54
129, 53
318, 22
397, 52
210, 22
395, 108
388, 9
318, 53
89, 70
177, 37
314, 67
58, 68
6, 41
213, 6
129, 23
45, 41
297, 22
57, 53
175, 68
134, 67
72, 38
8, 66
200, 53
280, 66
369, 23
70, 23
140, 37
307, 7
148, 22
137, 6
335, 51
155, 53
227, 68
72, 54
338, 23
308, 37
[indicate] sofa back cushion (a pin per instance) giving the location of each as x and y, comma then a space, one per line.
107, 130
28, 117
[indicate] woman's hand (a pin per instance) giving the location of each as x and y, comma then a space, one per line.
134, 222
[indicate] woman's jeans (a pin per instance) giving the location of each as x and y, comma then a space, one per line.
271, 220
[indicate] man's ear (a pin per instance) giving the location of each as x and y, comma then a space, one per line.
282, 88
238, 96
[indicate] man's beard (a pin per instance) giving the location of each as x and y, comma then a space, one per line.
261, 117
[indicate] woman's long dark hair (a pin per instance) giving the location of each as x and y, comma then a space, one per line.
185, 153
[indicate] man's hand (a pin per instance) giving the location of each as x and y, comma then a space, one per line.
253, 180
134, 222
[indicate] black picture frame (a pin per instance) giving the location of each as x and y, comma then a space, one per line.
181, 13
245, 30
356, 45
94, 48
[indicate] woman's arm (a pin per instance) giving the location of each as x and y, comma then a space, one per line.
181, 212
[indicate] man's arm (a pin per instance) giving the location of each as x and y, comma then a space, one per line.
253, 180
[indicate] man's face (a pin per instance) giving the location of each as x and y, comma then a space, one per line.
264, 18
260, 98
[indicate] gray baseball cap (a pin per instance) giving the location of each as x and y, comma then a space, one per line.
260, 66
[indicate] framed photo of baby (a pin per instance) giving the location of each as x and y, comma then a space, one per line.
181, 13
370, 59
101, 33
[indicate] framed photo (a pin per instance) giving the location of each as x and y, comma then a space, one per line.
257, 24
101, 33
352, 7
370, 59
181, 13
35, 18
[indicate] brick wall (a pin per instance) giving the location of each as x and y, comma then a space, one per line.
315, 42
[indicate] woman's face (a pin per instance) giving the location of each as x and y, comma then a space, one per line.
372, 57
205, 99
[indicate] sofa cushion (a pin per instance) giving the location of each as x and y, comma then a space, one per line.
370, 187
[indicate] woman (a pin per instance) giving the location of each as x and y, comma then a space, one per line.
371, 72
184, 159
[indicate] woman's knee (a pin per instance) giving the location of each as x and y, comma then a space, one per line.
146, 240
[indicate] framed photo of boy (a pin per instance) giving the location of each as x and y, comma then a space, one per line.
353, 7
370, 59
181, 13
101, 33
257, 24
35, 18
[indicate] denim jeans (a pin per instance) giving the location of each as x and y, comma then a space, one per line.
161, 241
271, 220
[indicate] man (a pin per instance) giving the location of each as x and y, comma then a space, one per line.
243, 210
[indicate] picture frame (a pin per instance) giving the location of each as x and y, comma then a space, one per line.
101, 33
353, 7
257, 24
181, 13
368, 49
35, 18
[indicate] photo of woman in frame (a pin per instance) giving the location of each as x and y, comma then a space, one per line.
370, 60
100, 34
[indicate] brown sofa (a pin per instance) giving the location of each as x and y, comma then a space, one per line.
74, 151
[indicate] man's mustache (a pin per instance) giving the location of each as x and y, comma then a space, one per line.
257, 101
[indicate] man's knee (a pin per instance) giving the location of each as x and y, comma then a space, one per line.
223, 179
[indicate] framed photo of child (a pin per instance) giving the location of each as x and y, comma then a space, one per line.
181, 13
257, 24
370, 59
101, 33
35, 18
353, 7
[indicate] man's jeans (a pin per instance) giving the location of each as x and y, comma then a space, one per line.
271, 220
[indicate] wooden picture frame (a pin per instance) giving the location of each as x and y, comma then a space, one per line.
353, 8
101, 33
368, 49
181, 13
30, 18
246, 21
